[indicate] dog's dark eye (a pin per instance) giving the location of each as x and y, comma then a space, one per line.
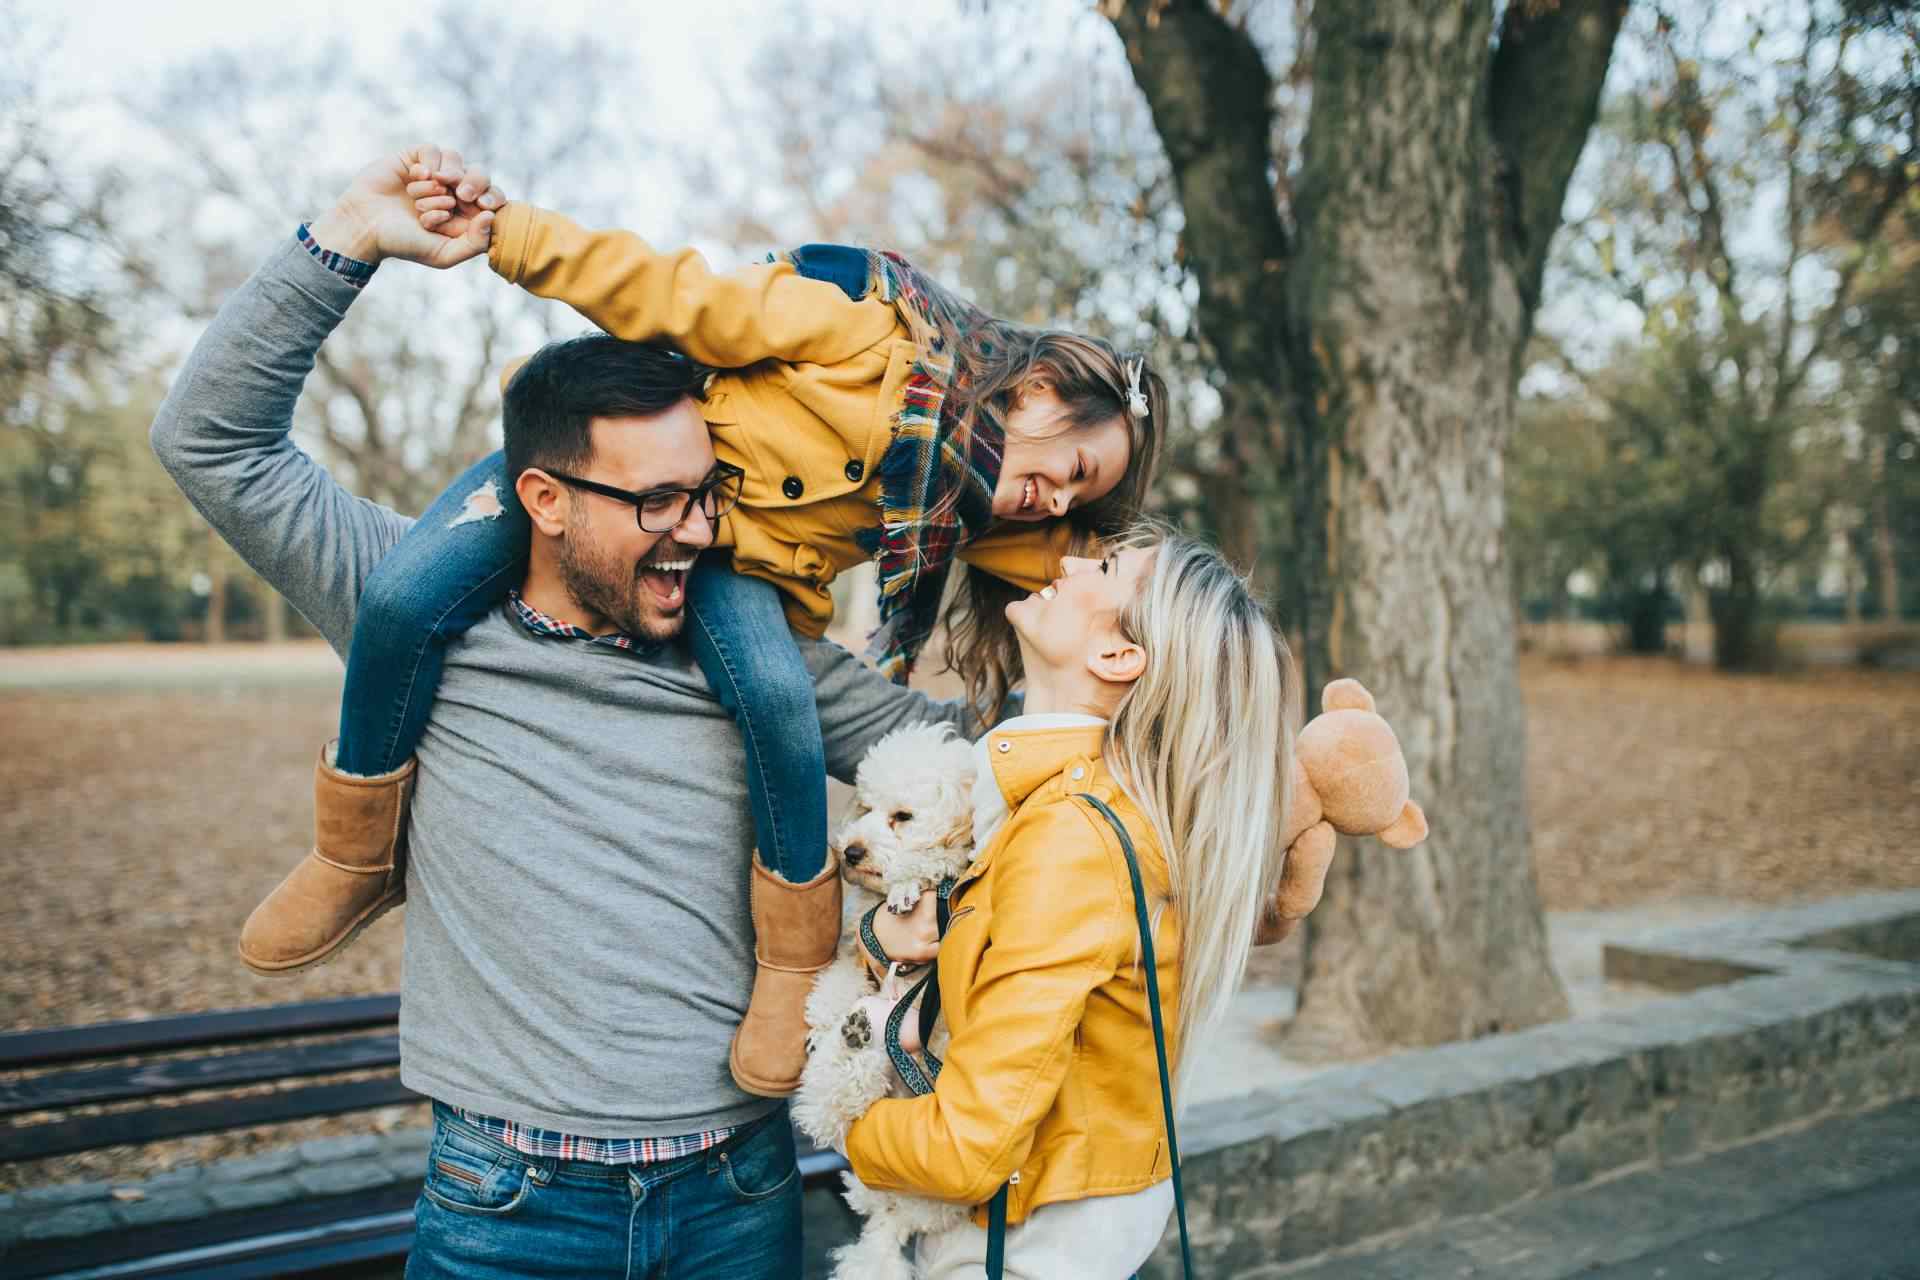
900, 816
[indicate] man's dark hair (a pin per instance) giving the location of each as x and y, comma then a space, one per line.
551, 402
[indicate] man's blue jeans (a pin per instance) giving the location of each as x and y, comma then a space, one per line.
488, 1212
458, 563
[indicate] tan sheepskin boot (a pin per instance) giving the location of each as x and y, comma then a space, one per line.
356, 872
796, 928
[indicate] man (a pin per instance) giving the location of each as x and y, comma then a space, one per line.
578, 944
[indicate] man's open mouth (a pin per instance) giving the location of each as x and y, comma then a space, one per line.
667, 581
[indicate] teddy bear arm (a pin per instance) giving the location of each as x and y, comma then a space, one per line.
1273, 927
1301, 882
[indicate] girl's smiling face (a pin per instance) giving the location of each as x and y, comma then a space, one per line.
1052, 464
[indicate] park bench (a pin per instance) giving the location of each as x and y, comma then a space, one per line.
76, 1089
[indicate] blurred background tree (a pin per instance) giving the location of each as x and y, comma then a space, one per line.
1751, 179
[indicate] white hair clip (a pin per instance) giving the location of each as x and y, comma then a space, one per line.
1136, 400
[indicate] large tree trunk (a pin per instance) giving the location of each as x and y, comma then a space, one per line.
1737, 641
1417, 317
1886, 563
275, 605
1644, 608
1433, 180
216, 589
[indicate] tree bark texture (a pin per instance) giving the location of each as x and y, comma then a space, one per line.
1391, 324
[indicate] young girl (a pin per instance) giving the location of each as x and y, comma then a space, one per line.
875, 415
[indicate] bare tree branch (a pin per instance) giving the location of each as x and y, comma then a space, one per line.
1543, 95
1210, 95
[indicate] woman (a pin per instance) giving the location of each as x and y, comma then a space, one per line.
1157, 685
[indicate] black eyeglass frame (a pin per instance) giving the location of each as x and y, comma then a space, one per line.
723, 473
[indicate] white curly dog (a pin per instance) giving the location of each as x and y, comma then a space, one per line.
911, 826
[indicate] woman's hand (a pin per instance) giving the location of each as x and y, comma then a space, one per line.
910, 939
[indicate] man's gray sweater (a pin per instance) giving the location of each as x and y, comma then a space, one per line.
578, 947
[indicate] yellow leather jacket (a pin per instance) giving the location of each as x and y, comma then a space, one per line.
805, 401
1049, 1079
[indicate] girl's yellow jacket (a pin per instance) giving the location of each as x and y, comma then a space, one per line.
809, 385
1050, 1078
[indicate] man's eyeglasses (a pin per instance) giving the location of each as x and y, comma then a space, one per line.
661, 510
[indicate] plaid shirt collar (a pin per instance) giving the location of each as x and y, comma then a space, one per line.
545, 624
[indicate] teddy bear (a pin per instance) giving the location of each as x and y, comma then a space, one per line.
910, 827
1349, 778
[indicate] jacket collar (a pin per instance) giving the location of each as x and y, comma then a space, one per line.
1025, 759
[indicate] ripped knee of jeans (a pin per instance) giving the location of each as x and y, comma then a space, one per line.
482, 504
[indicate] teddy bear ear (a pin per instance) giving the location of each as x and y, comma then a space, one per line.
1408, 830
1346, 695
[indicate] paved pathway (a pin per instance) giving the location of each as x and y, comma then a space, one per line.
1839, 1201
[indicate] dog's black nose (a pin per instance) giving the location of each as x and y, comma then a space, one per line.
854, 854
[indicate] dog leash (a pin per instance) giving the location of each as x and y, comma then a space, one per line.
917, 1081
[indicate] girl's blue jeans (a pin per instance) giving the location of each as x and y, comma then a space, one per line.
459, 562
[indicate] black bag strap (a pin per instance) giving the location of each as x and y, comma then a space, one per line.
997, 1207
927, 989
997, 1234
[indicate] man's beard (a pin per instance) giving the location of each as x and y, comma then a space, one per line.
600, 583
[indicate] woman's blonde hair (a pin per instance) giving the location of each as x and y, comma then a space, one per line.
1203, 744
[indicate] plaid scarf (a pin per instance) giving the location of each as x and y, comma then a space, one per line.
936, 489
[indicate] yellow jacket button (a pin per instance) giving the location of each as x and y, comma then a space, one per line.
855, 470
792, 487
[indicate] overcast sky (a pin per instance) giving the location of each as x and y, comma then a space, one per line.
108, 43
106, 47
105, 51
